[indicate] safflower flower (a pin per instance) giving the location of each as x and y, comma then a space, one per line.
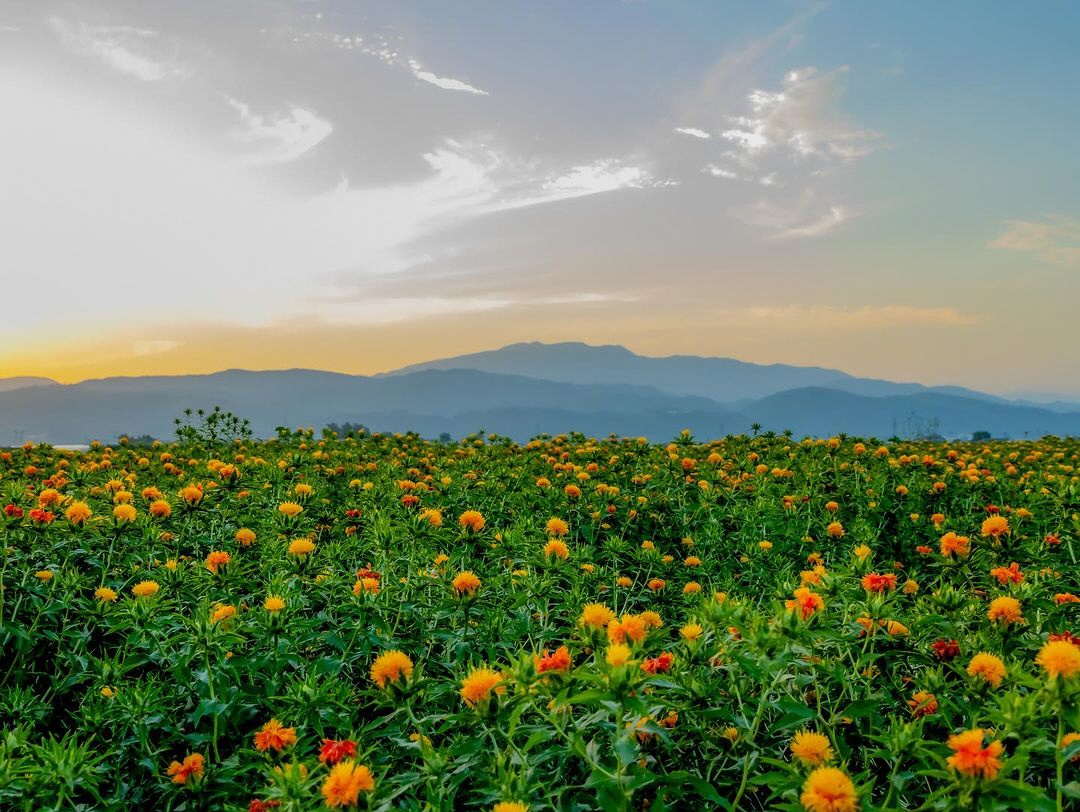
828, 789
479, 684
466, 583
1059, 658
391, 667
345, 782
987, 667
969, 756
192, 766
811, 748
274, 736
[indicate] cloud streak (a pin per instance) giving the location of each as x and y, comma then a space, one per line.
282, 137
122, 48
1055, 240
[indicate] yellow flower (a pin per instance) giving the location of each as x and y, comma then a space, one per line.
244, 537
274, 604
346, 781
618, 654
557, 527
124, 513
290, 509
1059, 658
596, 616
828, 789
691, 632
556, 549
479, 684
301, 547
43, 575
144, 589
78, 512
987, 667
390, 667
1005, 610
105, 595
862, 552
811, 748
510, 806
995, 527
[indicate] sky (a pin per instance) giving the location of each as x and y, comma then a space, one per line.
888, 189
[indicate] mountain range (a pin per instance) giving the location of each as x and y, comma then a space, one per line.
527, 389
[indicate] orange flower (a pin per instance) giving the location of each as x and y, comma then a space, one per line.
1005, 610
557, 527
466, 583
274, 736
192, 766
923, 703
479, 684
559, 661
952, 544
995, 527
216, 559
969, 756
391, 667
345, 783
987, 667
805, 602
874, 582
811, 747
472, 520
828, 789
1006, 574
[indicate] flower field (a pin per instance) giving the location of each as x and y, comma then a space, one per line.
383, 622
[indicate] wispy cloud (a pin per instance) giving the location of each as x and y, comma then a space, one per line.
799, 121
388, 53
282, 137
693, 131
441, 81
828, 222
123, 48
850, 318
1056, 240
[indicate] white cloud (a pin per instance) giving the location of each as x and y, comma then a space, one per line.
1057, 240
601, 176
122, 48
442, 82
280, 138
693, 131
800, 120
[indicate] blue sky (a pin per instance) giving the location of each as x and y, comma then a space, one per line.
884, 188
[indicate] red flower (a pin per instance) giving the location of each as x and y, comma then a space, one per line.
874, 582
1052, 539
367, 572
354, 513
945, 649
993, 510
41, 516
658, 665
262, 806
1067, 636
14, 511
334, 750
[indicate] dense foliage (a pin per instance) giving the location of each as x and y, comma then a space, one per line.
381, 621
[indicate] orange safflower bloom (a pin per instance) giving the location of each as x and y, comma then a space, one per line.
828, 789
969, 756
216, 559
1005, 610
479, 684
805, 602
987, 667
875, 582
1059, 658
274, 736
192, 766
811, 747
391, 667
466, 583
345, 782
558, 661
472, 520
995, 527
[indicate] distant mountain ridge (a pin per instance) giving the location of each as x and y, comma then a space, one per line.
724, 380
524, 390
24, 381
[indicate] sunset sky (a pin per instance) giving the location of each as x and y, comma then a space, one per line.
890, 189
